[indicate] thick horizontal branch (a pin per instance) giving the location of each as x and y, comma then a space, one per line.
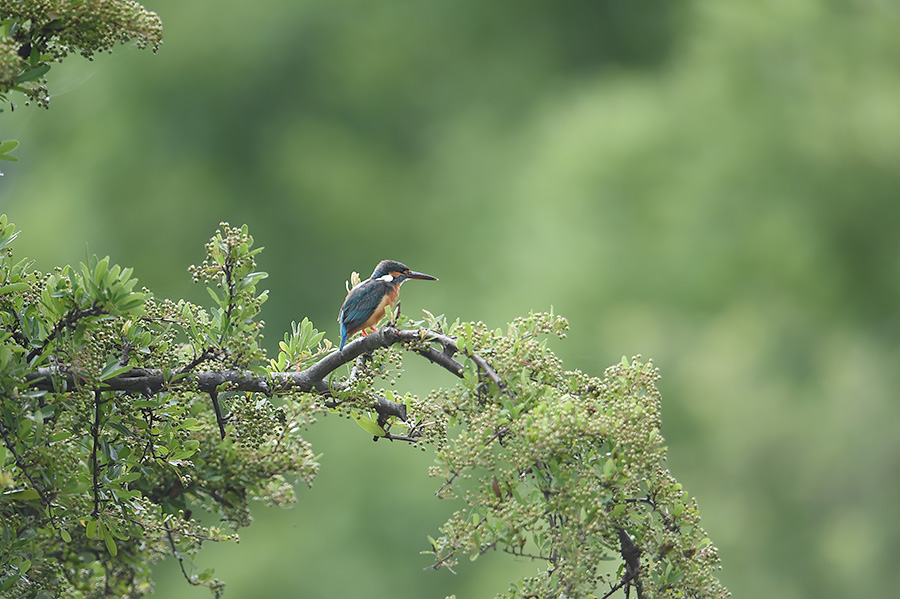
150, 381
313, 379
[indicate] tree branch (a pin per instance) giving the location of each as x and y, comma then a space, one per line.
20, 462
203, 356
95, 462
69, 322
668, 522
191, 580
220, 419
631, 553
18, 330
313, 379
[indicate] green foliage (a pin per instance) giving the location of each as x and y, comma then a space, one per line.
34, 34
95, 485
229, 272
551, 465
98, 481
300, 348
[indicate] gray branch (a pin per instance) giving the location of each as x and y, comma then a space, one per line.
438, 348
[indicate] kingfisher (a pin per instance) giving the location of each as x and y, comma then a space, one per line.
365, 304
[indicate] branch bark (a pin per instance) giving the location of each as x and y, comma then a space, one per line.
438, 348
95, 460
631, 553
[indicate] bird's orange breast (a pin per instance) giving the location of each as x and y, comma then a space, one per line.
389, 299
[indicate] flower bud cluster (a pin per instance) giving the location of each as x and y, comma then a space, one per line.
43, 31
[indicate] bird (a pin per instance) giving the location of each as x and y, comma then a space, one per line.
365, 304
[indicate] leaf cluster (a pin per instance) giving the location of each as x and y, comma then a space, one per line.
229, 333
36, 33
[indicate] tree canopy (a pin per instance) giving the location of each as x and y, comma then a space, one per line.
127, 420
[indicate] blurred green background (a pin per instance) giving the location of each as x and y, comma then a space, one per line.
710, 184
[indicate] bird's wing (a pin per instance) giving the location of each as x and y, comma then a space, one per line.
361, 302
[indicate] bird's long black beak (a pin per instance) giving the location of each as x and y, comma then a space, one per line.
420, 275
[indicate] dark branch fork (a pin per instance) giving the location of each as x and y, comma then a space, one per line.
68, 322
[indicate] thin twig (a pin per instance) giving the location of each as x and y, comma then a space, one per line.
614, 589
523, 554
20, 463
68, 322
203, 356
177, 554
18, 331
221, 420
95, 462
668, 521
391, 437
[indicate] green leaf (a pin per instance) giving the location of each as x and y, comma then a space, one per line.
121, 428
100, 270
609, 467
145, 403
21, 495
65, 535
369, 425
113, 369
253, 277
213, 294
130, 477
74, 487
110, 542
32, 74
15, 287
8, 145
91, 529
114, 530
191, 424
205, 574
181, 455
